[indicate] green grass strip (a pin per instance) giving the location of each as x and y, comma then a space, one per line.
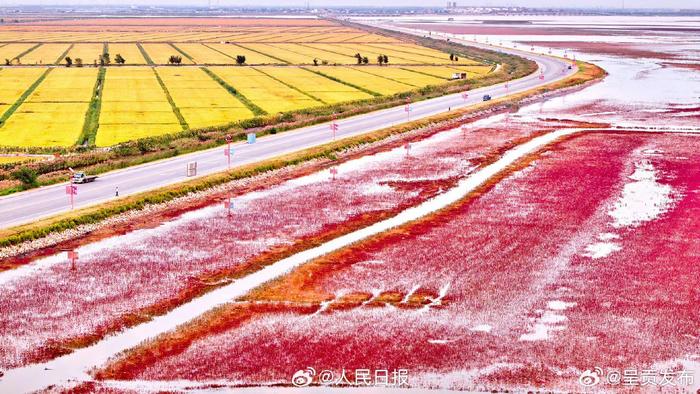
262, 53
63, 54
257, 111
23, 97
19, 57
176, 110
332, 78
216, 50
292, 86
92, 115
427, 74
144, 53
364, 70
183, 53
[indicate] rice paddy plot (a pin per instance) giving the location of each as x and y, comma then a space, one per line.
357, 77
9, 52
129, 52
13, 83
401, 75
251, 57
200, 99
309, 54
204, 55
160, 53
134, 106
265, 92
88, 53
45, 54
320, 87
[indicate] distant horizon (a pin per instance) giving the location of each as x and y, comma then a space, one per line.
592, 4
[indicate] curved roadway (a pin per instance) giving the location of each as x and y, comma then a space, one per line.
46, 201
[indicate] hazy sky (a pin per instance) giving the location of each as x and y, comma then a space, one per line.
534, 3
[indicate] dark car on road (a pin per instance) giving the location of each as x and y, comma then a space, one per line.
487, 97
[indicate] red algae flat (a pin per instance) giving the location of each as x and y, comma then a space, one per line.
556, 269
122, 280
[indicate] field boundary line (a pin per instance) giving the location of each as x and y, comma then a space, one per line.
174, 106
262, 53
332, 78
145, 54
257, 111
391, 79
216, 50
183, 53
63, 55
423, 72
19, 57
292, 86
92, 115
23, 97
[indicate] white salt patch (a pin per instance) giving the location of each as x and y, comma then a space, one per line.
439, 341
557, 305
482, 328
548, 322
552, 318
607, 236
599, 250
643, 200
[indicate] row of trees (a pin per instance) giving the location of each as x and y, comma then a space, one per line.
104, 59
381, 59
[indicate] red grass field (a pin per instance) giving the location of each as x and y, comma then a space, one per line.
585, 256
123, 280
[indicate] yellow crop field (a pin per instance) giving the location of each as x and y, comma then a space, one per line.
423, 54
397, 74
201, 100
364, 80
89, 53
204, 55
267, 93
142, 100
251, 57
14, 82
161, 52
130, 53
53, 115
10, 51
47, 124
327, 90
133, 106
308, 54
45, 54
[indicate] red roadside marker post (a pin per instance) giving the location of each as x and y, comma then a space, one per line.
228, 205
72, 257
408, 149
227, 153
464, 130
407, 109
334, 172
71, 190
334, 126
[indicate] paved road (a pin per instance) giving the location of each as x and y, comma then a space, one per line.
32, 205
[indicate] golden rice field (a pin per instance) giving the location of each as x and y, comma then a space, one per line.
53, 115
148, 97
45, 54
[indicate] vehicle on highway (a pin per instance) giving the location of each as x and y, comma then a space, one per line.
81, 177
487, 97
